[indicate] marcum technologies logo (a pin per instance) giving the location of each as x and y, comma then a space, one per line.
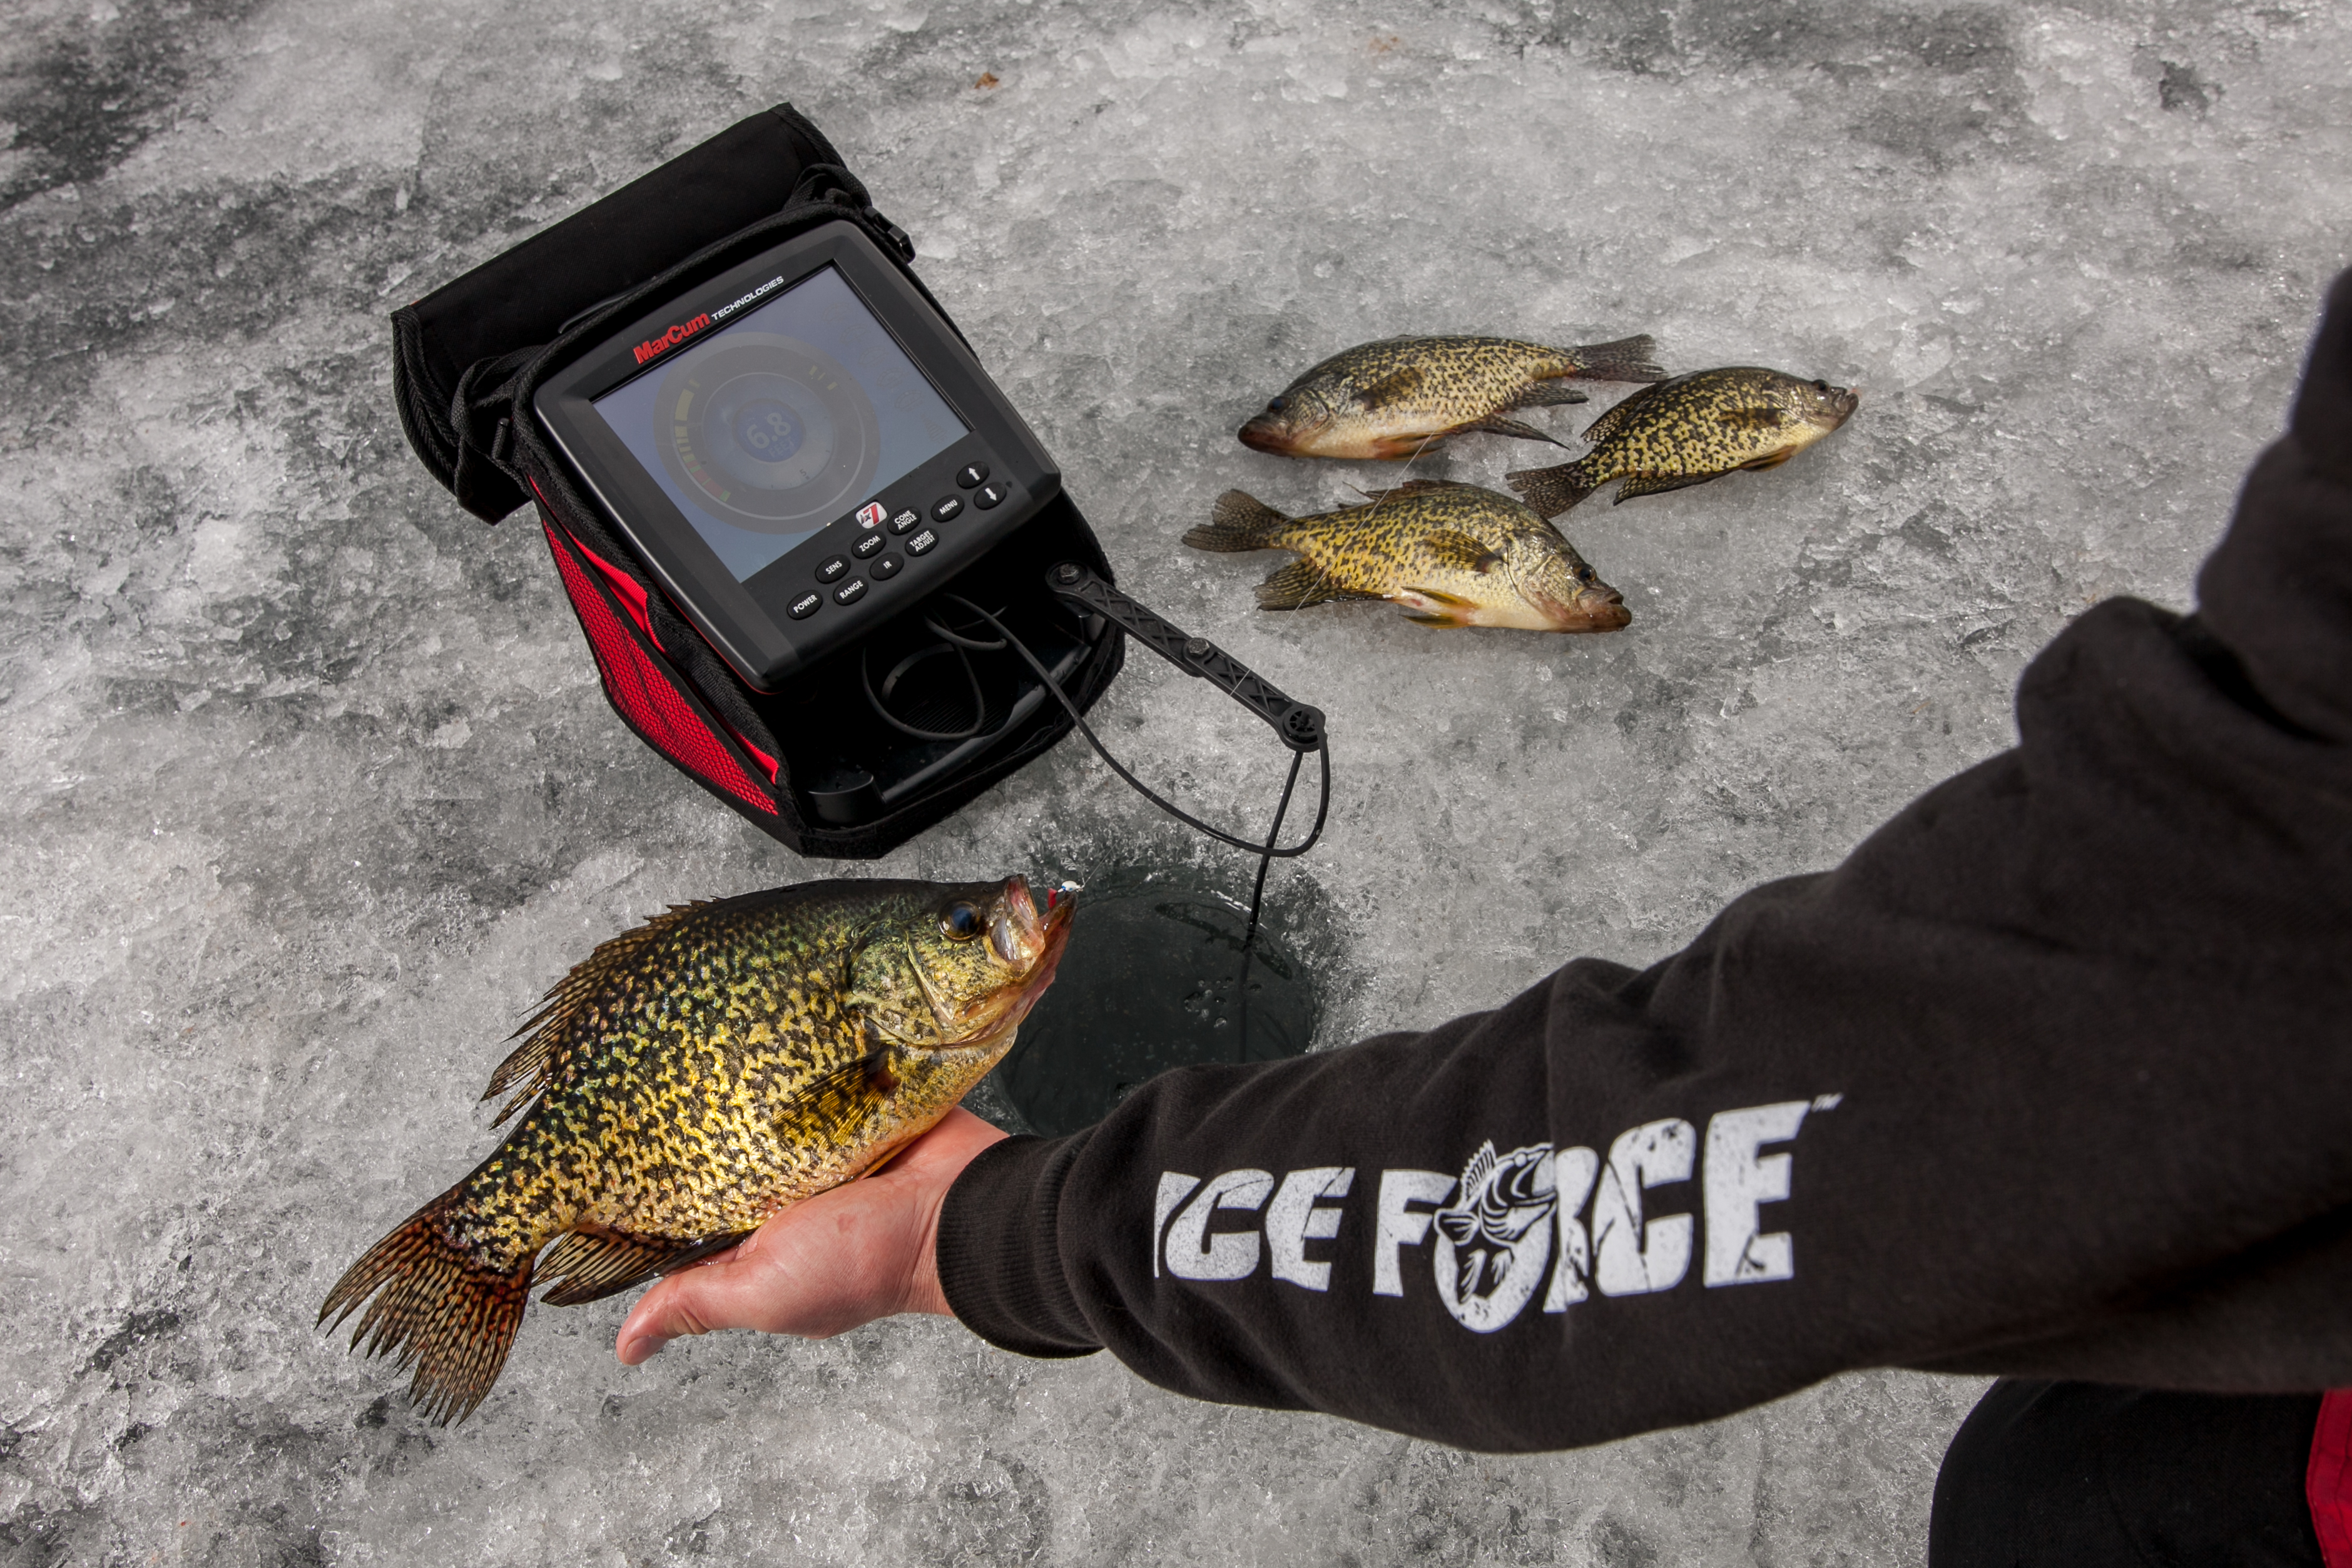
653, 348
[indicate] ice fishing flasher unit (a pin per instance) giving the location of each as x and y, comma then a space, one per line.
823, 564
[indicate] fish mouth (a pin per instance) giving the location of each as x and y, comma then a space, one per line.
1595, 609
1030, 943
1263, 435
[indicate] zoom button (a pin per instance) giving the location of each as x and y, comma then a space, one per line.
888, 567
922, 542
867, 543
849, 592
988, 496
833, 570
971, 474
805, 606
946, 508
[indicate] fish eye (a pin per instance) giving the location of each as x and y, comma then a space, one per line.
1584, 573
1277, 405
961, 922
1821, 386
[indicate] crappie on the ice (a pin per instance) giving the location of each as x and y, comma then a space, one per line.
1689, 430
1394, 397
1456, 554
691, 1077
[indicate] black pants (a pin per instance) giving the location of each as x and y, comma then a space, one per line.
2077, 1475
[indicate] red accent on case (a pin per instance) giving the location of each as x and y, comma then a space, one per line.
644, 693
2327, 1481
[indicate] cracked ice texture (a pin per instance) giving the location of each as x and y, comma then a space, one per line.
311, 790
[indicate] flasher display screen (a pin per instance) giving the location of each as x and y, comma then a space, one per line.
777, 424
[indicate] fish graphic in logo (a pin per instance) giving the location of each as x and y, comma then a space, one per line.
1495, 1239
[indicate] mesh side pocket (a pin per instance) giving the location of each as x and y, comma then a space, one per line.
647, 693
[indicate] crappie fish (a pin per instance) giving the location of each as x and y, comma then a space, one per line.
1689, 430
1458, 556
691, 1077
1394, 397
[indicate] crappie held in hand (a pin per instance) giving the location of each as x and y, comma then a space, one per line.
691, 1077
1394, 397
1456, 554
1689, 430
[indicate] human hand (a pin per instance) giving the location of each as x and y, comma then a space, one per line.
860, 1251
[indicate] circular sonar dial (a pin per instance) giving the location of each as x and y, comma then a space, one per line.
768, 432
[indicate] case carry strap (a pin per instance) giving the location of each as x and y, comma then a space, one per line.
459, 351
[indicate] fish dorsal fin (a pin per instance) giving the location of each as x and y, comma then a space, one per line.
1412, 487
1474, 1174
1445, 547
1612, 424
1400, 383
597, 1260
547, 1034
832, 1106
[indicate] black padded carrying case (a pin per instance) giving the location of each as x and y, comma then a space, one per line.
468, 358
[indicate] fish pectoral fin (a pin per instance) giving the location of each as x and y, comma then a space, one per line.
1398, 384
1772, 461
1658, 485
1450, 548
594, 1261
1500, 425
1301, 584
834, 1105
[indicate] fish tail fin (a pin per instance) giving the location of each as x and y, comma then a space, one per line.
1550, 491
1627, 359
1238, 521
436, 1309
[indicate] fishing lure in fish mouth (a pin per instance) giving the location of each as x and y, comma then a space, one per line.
1396, 397
689, 1078
1691, 429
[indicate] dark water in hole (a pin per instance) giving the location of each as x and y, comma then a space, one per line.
1149, 984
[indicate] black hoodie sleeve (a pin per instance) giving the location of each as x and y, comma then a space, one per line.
2049, 1078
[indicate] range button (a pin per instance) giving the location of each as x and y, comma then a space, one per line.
849, 592
805, 606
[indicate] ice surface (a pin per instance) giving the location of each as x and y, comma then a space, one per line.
310, 790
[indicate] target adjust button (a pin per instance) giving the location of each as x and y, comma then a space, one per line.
922, 543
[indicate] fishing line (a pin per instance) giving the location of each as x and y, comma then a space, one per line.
1267, 852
